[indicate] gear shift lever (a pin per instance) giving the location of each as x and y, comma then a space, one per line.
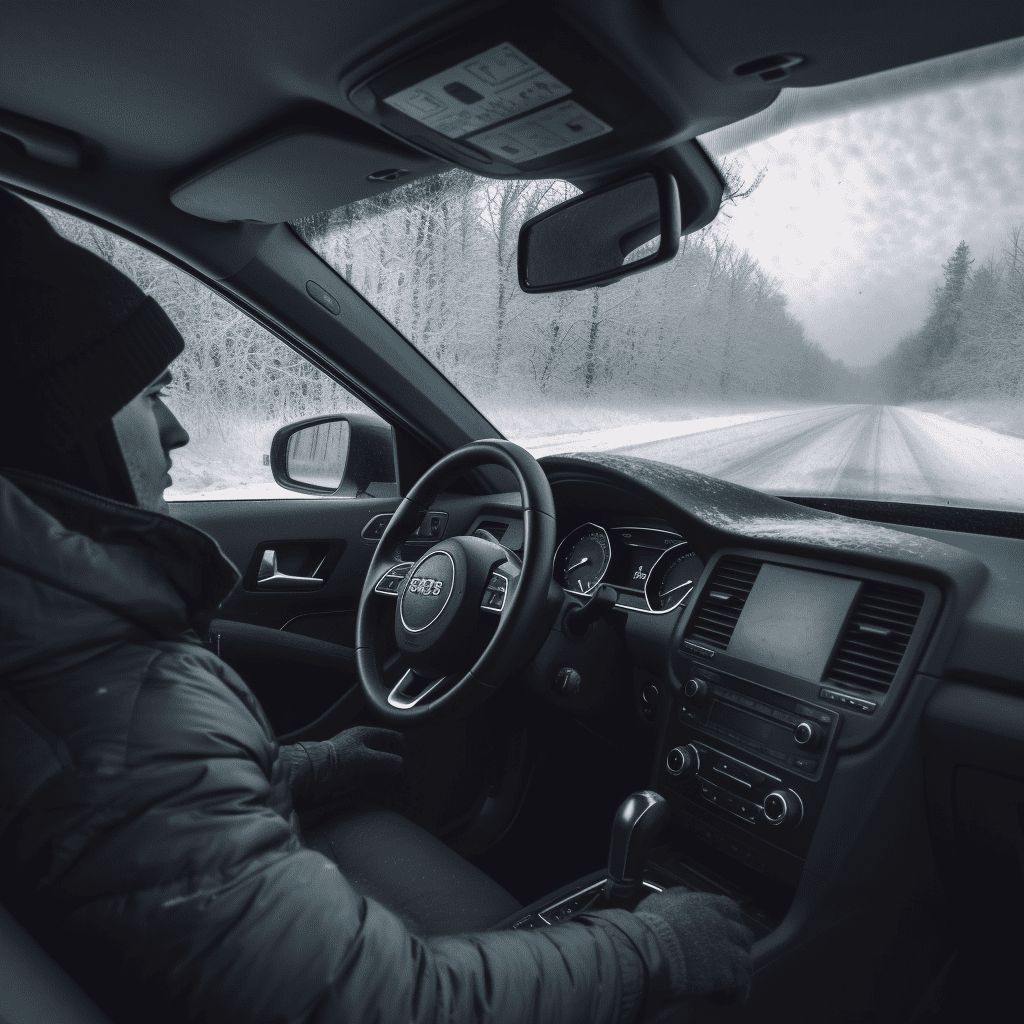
635, 829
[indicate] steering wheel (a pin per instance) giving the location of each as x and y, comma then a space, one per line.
445, 603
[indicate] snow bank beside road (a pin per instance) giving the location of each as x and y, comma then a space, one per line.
638, 433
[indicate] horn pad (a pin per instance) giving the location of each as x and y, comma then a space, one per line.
438, 608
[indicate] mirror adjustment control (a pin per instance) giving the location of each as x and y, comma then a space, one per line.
783, 808
696, 689
808, 735
683, 762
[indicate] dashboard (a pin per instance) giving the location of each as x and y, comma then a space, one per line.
764, 666
783, 661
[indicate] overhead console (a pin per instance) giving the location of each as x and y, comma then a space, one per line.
523, 92
502, 99
778, 664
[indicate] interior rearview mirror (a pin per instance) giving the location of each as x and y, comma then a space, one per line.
351, 455
602, 235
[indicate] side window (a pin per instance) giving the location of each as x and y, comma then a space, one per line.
235, 385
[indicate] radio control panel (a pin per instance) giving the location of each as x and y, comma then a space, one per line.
776, 727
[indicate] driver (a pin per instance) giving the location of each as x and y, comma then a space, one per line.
148, 831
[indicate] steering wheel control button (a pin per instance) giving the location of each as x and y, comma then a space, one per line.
683, 762
392, 579
783, 808
494, 596
428, 592
696, 690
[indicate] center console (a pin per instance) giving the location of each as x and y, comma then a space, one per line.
746, 768
777, 666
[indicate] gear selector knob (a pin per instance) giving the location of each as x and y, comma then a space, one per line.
638, 823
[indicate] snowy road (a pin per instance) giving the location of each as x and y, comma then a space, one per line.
856, 451
863, 451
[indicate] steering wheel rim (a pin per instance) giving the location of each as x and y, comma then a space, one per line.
521, 619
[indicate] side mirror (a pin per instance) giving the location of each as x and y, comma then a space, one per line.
585, 241
350, 456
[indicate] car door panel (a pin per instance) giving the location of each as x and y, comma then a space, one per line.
297, 678
246, 529
292, 644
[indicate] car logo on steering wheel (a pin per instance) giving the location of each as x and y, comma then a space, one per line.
426, 586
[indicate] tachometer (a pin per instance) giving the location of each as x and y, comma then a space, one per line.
672, 578
582, 558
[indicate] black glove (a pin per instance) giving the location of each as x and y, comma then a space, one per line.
707, 942
353, 760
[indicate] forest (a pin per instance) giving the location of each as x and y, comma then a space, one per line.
438, 258
708, 332
971, 344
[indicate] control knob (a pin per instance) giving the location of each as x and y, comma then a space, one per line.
683, 761
696, 689
808, 735
783, 808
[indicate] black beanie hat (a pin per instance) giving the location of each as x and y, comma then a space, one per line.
80, 340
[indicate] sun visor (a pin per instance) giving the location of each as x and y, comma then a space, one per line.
296, 173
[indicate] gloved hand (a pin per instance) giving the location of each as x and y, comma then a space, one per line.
707, 942
359, 757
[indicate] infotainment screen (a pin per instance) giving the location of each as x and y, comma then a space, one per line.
792, 619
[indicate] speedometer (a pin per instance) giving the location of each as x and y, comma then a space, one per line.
673, 577
582, 558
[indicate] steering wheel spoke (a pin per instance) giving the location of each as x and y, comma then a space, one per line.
391, 581
413, 688
501, 588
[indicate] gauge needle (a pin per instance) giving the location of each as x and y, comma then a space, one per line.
582, 561
674, 589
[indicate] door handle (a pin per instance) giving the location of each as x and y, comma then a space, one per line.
270, 578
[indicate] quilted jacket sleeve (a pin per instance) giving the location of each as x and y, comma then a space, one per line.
189, 869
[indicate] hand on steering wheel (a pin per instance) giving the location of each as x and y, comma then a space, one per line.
442, 602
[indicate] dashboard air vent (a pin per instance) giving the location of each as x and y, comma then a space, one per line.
876, 637
722, 601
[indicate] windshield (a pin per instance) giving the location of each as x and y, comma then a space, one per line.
852, 323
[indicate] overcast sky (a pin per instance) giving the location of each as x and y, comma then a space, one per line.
857, 214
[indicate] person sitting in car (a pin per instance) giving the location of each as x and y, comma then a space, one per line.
148, 827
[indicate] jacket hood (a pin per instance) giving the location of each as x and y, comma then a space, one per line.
79, 572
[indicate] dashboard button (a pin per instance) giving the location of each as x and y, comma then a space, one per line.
808, 735
696, 689
783, 808
818, 716
683, 761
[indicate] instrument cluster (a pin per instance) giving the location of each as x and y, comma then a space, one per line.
653, 570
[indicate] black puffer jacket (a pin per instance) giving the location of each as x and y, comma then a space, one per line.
147, 833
